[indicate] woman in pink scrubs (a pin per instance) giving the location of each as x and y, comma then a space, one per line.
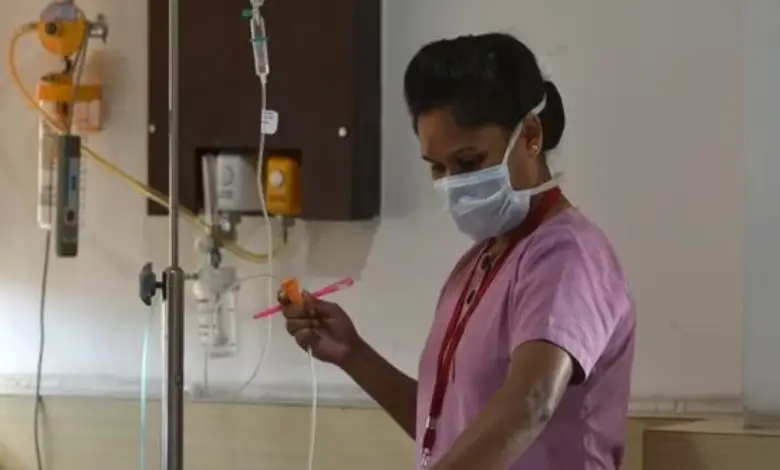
528, 363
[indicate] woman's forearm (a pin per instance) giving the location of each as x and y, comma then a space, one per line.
502, 431
395, 391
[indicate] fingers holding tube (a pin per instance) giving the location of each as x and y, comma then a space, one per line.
281, 297
307, 338
301, 323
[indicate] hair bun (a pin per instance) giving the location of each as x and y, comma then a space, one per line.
552, 117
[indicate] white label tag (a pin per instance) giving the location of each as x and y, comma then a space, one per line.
270, 122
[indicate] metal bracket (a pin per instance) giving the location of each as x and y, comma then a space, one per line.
98, 29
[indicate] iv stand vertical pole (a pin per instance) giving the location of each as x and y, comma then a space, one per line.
173, 320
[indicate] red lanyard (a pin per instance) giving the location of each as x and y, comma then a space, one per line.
461, 316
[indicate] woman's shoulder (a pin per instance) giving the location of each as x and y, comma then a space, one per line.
569, 223
569, 237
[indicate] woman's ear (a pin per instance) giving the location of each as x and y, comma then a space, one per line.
532, 131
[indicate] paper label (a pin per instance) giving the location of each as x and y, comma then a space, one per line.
270, 122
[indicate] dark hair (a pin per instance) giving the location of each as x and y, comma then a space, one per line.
484, 79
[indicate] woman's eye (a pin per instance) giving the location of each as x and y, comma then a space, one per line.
437, 168
467, 166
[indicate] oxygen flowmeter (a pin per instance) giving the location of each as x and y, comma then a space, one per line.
70, 108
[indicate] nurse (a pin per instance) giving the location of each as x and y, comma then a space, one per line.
528, 363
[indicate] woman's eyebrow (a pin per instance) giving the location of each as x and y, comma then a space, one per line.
454, 153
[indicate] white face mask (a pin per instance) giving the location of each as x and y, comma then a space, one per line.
483, 203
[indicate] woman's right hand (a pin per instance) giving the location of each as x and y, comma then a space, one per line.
323, 327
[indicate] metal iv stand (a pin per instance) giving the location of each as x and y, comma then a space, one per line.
173, 278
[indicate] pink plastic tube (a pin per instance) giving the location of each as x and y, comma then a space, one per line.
325, 291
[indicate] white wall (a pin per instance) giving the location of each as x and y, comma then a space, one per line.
762, 258
654, 95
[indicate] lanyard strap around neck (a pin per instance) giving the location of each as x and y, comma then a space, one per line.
462, 312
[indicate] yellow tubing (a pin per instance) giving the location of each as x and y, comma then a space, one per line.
142, 188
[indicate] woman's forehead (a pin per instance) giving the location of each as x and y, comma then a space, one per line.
441, 136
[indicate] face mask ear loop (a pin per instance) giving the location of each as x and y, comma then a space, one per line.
518, 132
539, 107
548, 185
519, 129
512, 142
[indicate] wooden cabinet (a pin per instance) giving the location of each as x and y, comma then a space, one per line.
325, 84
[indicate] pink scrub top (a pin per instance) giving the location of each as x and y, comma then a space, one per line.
563, 284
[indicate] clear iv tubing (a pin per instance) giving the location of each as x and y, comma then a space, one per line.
262, 68
270, 297
149, 192
269, 263
259, 366
263, 354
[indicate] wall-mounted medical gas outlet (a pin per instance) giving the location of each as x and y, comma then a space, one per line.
324, 86
234, 182
283, 185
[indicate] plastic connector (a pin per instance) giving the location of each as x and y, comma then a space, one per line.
292, 291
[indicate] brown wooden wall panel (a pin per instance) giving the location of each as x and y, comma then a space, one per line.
325, 75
